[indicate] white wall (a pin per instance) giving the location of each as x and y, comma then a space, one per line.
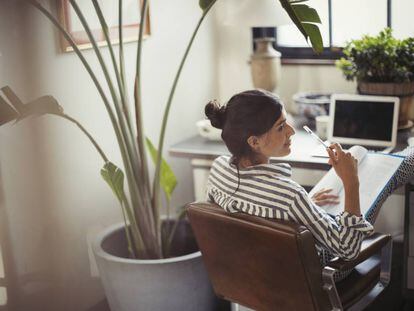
52, 197
234, 50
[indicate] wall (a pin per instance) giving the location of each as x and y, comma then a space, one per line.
52, 198
234, 50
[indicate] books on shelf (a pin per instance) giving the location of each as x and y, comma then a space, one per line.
374, 171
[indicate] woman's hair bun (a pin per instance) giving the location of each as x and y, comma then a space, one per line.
216, 114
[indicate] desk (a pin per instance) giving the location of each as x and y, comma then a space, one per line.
306, 170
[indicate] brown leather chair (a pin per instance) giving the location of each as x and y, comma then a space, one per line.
273, 265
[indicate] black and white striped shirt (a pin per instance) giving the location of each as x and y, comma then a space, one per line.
266, 190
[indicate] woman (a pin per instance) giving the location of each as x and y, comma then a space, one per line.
254, 128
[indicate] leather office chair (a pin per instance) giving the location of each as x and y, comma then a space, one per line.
273, 265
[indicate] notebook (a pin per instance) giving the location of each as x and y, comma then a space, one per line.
365, 120
374, 171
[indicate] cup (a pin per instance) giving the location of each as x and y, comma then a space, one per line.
322, 124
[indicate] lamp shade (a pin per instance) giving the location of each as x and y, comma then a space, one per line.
254, 13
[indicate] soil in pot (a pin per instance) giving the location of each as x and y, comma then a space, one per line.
183, 242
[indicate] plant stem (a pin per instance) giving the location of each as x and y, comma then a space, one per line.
68, 38
140, 126
137, 236
125, 145
133, 148
138, 93
65, 34
156, 183
65, 116
128, 235
171, 235
121, 48
124, 207
117, 74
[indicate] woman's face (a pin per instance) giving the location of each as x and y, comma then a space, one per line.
276, 142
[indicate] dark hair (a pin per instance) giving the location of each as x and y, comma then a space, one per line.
247, 113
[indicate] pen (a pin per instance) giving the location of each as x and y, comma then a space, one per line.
307, 129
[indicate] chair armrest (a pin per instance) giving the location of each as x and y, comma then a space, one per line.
370, 246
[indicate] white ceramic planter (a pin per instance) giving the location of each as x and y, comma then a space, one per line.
179, 283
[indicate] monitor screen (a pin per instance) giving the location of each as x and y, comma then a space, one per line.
363, 119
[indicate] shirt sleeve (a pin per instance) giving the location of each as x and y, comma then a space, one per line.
341, 235
209, 197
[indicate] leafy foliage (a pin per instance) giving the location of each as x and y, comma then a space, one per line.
7, 113
115, 179
204, 4
380, 58
17, 111
305, 19
168, 180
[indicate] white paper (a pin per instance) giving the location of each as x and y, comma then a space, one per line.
374, 172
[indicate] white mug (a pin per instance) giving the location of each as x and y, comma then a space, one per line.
322, 124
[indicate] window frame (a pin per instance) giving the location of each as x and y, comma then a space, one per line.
305, 55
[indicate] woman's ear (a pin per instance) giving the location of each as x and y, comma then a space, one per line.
254, 143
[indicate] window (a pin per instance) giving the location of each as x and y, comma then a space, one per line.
341, 22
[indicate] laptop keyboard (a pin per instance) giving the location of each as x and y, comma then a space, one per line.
369, 148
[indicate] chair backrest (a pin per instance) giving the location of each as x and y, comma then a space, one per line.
259, 263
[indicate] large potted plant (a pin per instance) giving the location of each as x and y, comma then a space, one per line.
382, 65
141, 262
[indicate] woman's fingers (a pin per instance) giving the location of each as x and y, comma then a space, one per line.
327, 197
327, 202
337, 147
323, 190
336, 150
332, 157
322, 197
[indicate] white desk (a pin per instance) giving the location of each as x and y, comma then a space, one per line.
306, 170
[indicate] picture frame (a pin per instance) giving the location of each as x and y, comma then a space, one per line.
131, 18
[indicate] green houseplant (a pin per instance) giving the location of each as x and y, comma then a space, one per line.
382, 65
141, 205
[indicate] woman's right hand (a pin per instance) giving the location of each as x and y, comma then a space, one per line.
345, 165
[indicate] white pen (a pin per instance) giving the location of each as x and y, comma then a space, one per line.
307, 129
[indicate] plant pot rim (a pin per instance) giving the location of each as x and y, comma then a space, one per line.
99, 251
368, 82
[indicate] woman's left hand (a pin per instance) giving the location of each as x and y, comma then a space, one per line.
322, 197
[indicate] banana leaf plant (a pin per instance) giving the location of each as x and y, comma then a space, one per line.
141, 205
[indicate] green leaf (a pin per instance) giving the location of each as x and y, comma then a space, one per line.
314, 36
313, 33
306, 14
40, 106
168, 180
7, 113
204, 4
114, 177
12, 97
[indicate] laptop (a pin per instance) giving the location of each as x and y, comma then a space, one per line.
365, 120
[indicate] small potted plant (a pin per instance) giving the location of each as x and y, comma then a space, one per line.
382, 65
140, 266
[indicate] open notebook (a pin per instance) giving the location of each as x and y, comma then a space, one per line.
374, 170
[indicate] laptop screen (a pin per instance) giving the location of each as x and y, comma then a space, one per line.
363, 120
371, 120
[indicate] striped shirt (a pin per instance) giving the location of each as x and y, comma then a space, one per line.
266, 190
